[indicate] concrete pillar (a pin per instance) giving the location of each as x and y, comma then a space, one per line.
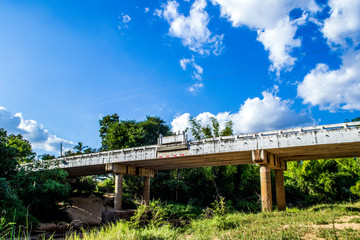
265, 182
146, 190
280, 190
118, 191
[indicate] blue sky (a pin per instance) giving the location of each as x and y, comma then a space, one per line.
262, 64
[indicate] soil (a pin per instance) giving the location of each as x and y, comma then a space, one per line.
83, 212
340, 224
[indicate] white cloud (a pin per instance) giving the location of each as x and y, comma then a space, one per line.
146, 10
344, 21
197, 71
39, 137
333, 89
271, 20
195, 87
124, 20
180, 123
193, 29
268, 113
184, 62
279, 41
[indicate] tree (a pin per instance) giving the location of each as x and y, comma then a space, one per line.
105, 123
209, 131
41, 191
10, 204
25, 153
45, 157
152, 127
33, 193
80, 148
117, 134
8, 157
357, 119
326, 180
228, 130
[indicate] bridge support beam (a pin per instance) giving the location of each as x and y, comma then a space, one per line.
265, 182
280, 190
269, 161
120, 170
118, 191
146, 190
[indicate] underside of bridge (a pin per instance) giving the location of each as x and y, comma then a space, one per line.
274, 159
271, 159
232, 158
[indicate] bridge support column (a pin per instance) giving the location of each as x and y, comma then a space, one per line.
268, 161
265, 182
146, 190
280, 190
118, 191
120, 170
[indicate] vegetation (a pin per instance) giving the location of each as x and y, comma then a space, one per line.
324, 181
321, 221
27, 196
116, 134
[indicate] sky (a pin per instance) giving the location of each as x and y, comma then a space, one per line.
263, 64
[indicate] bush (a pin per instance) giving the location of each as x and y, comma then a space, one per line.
153, 215
14, 215
41, 192
182, 211
85, 185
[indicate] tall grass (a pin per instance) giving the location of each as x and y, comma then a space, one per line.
10, 230
290, 224
316, 222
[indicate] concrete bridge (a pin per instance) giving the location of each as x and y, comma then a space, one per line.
271, 150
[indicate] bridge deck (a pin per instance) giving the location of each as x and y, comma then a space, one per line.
317, 142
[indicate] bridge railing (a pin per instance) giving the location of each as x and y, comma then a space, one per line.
282, 132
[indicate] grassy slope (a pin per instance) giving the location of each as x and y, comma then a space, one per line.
337, 221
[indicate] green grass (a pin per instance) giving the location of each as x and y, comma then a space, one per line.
292, 224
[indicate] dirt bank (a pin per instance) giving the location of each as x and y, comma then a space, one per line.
83, 212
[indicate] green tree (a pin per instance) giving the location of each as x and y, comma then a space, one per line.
209, 131
357, 119
41, 191
228, 130
45, 157
33, 193
105, 123
8, 157
80, 148
152, 127
195, 128
117, 134
326, 180
24, 151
